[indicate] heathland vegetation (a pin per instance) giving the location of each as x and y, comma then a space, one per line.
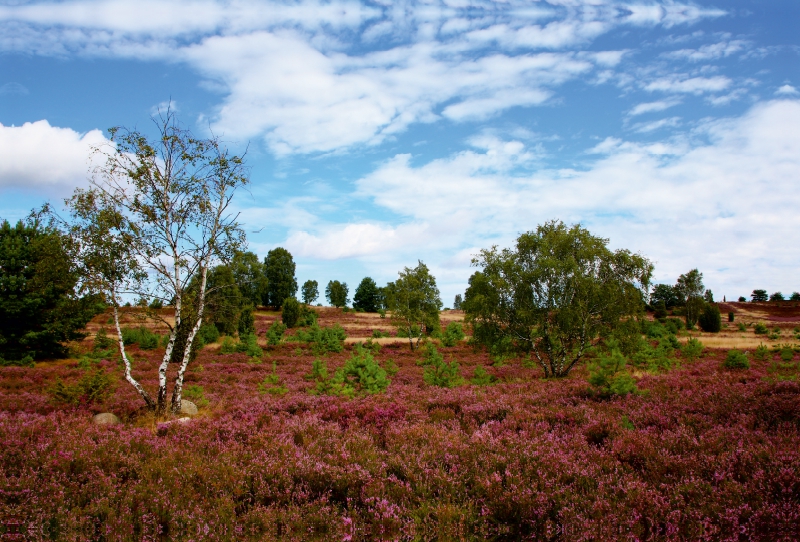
166, 383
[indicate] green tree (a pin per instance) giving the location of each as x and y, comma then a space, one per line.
40, 305
224, 299
758, 296
336, 293
169, 202
281, 282
664, 293
250, 277
457, 302
310, 291
777, 296
368, 296
414, 302
290, 312
554, 294
690, 290
710, 319
795, 296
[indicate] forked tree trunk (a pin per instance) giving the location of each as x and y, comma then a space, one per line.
126, 362
177, 390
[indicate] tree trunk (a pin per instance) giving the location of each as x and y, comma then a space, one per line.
177, 390
126, 362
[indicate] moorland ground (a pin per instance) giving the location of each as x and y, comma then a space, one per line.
701, 452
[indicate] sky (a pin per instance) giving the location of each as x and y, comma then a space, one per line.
382, 133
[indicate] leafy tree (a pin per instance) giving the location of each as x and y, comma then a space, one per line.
457, 302
795, 296
554, 294
609, 376
708, 296
690, 290
249, 276
664, 293
368, 296
247, 323
156, 218
40, 305
710, 319
758, 295
310, 291
742, 299
777, 296
281, 283
224, 299
336, 293
414, 302
290, 312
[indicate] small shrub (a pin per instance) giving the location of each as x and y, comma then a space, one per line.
761, 353
742, 327
710, 319
742, 299
272, 383
228, 346
196, 394
760, 329
275, 333
290, 312
673, 325
93, 387
360, 375
655, 359
795, 296
736, 360
247, 323
692, 349
378, 334
146, 339
156, 303
308, 316
102, 341
609, 376
453, 333
787, 353
369, 345
249, 345
731, 316
324, 339
207, 334
438, 372
382, 313
481, 377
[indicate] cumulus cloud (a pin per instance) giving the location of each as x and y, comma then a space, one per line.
46, 159
727, 207
787, 90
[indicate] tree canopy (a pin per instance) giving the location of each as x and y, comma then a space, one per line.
336, 293
250, 277
690, 290
310, 291
279, 268
414, 302
40, 306
554, 293
368, 296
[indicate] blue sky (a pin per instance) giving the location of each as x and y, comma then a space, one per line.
381, 133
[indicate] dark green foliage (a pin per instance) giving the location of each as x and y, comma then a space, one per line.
741, 327
39, 307
290, 312
102, 341
281, 282
673, 325
666, 295
692, 349
247, 323
378, 334
207, 334
710, 319
659, 358
453, 334
141, 336
437, 371
310, 291
731, 316
555, 293
742, 299
736, 360
457, 302
275, 333
367, 296
336, 293
761, 353
787, 353
156, 304
223, 301
481, 377
708, 297
93, 387
759, 295
324, 339
360, 375
272, 383
609, 376
247, 344
660, 310
795, 296
760, 329
690, 291
250, 277
308, 316
777, 296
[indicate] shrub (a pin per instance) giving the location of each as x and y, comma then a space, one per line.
360, 375
481, 377
692, 349
795, 296
272, 383
249, 345
660, 358
742, 327
660, 309
146, 339
378, 334
93, 387
102, 341
228, 346
736, 360
673, 325
382, 313
196, 394
438, 372
761, 353
290, 312
710, 319
275, 333
324, 339
742, 299
609, 376
453, 333
760, 329
247, 324
731, 316
308, 316
787, 352
207, 334
156, 303
777, 296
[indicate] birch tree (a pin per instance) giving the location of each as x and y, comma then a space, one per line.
170, 199
414, 302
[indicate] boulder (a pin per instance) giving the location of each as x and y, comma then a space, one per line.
106, 418
188, 408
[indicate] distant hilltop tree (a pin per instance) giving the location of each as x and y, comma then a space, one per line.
758, 295
777, 296
457, 302
795, 296
310, 291
279, 268
336, 293
367, 296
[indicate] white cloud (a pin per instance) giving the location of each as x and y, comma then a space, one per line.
651, 107
46, 159
692, 85
709, 52
354, 240
646, 127
727, 207
787, 90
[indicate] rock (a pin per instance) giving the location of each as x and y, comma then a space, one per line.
188, 408
106, 418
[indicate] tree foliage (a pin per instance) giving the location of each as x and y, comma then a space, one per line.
666, 294
250, 277
40, 304
414, 302
367, 296
310, 291
279, 267
225, 300
710, 319
336, 293
290, 312
690, 290
554, 294
759, 296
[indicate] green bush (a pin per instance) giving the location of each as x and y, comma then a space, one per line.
93, 387
731, 316
308, 316
195, 393
146, 339
102, 341
453, 334
324, 339
710, 319
736, 360
609, 376
673, 325
228, 346
272, 383
438, 372
761, 353
382, 313
760, 329
692, 349
481, 377
742, 327
360, 375
290, 312
378, 334
207, 334
247, 323
156, 303
787, 352
249, 345
656, 359
275, 333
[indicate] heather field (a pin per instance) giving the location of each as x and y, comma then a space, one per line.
700, 453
